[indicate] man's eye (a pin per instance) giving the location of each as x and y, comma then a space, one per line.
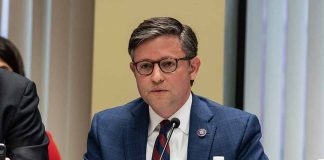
146, 66
168, 64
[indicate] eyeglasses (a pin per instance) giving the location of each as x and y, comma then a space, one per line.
166, 65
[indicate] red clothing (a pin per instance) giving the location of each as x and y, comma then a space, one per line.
53, 152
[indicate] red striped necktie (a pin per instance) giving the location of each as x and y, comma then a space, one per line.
160, 142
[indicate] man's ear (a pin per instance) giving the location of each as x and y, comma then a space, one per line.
194, 67
132, 67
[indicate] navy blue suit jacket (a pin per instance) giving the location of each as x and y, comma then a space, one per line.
121, 133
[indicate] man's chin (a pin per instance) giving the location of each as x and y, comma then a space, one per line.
158, 102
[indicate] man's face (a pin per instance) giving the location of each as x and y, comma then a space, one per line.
165, 92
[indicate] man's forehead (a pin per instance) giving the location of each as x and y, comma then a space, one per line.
155, 56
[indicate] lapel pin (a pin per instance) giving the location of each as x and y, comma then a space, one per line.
201, 132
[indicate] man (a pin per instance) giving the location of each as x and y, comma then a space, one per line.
21, 128
165, 65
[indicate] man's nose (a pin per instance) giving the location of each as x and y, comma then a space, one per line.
157, 74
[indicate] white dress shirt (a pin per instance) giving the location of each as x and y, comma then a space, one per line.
179, 140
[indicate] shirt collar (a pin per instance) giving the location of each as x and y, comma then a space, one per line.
183, 114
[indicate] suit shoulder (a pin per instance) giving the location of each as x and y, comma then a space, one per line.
14, 88
12, 80
119, 113
225, 116
224, 111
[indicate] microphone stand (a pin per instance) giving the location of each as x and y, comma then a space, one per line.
175, 124
168, 139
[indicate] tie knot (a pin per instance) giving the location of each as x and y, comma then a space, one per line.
165, 125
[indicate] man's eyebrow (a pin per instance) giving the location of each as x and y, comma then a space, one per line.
150, 60
145, 59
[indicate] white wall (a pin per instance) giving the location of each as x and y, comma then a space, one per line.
55, 38
285, 74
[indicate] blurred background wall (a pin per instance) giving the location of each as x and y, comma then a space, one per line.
284, 75
55, 39
113, 82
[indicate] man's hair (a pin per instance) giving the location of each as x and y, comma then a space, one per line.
159, 26
10, 54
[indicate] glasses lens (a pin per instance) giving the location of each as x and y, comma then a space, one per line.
168, 65
144, 67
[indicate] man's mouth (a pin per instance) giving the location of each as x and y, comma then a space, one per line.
158, 90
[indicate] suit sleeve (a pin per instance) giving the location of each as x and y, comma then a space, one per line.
93, 146
251, 147
26, 137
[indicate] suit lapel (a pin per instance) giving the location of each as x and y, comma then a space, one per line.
136, 137
199, 145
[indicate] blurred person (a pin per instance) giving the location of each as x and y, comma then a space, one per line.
10, 59
164, 62
21, 127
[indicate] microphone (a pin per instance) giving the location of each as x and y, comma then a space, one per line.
2, 151
175, 122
